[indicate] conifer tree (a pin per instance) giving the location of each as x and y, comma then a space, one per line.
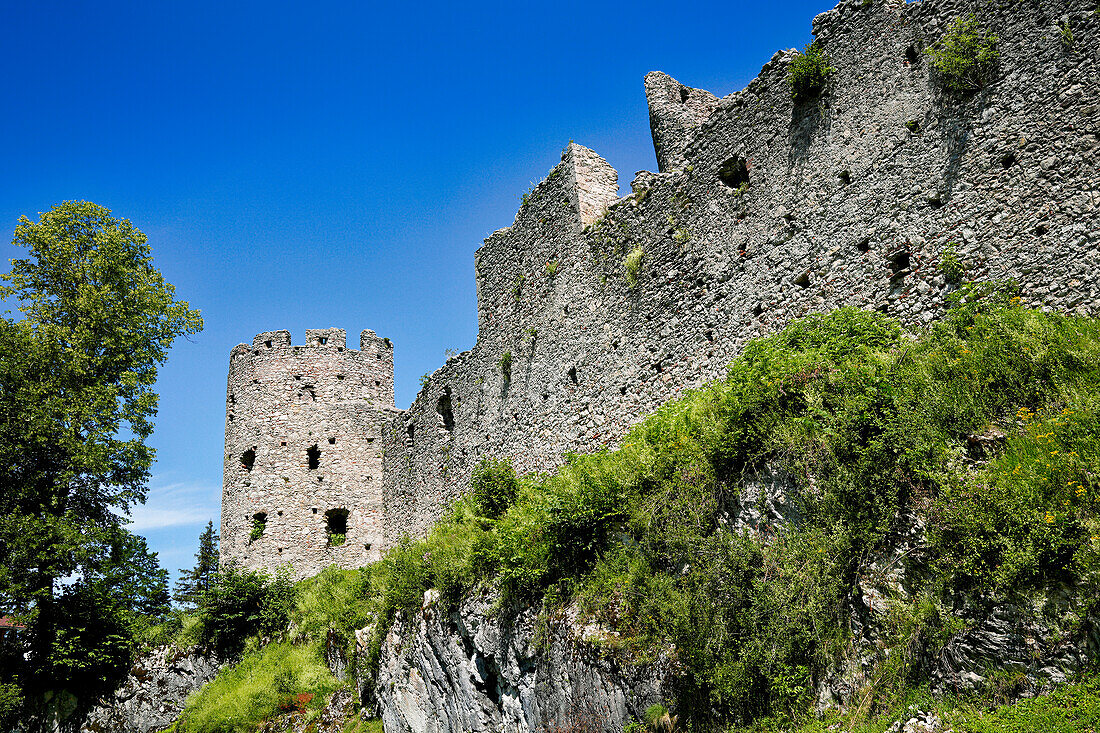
195, 582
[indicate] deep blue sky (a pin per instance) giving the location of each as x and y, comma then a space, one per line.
307, 165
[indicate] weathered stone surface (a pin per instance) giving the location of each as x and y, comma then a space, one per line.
154, 693
472, 670
303, 450
845, 205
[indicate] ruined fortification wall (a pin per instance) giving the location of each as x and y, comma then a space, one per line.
850, 202
303, 450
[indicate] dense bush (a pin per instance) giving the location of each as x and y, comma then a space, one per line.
493, 487
870, 423
809, 73
241, 603
965, 58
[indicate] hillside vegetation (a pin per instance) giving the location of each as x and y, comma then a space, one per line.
979, 434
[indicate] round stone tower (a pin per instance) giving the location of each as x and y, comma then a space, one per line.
303, 451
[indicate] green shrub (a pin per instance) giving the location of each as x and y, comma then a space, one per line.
632, 265
257, 531
11, 706
551, 268
241, 603
505, 365
965, 58
809, 73
493, 487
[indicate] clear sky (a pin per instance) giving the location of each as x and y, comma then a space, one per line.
330, 164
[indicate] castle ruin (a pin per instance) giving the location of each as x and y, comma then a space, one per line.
762, 211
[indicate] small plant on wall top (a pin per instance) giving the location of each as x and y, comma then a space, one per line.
965, 59
809, 73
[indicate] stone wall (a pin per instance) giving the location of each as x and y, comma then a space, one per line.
303, 450
765, 211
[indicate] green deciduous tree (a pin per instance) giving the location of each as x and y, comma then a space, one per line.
194, 583
76, 407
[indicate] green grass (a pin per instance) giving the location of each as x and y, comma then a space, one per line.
1070, 709
249, 691
632, 265
246, 694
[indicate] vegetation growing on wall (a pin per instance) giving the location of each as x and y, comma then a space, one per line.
632, 265
965, 58
809, 73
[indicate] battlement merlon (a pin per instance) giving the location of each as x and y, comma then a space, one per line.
330, 338
363, 374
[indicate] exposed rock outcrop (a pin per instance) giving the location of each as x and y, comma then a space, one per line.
476, 670
155, 692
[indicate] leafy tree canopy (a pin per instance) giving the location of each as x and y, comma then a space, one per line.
76, 405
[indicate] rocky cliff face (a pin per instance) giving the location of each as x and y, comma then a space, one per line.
155, 692
478, 670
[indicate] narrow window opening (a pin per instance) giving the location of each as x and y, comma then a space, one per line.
912, 55
332, 441
322, 340
314, 509
259, 523
622, 390
1007, 160
445, 411
267, 344
684, 94
313, 457
366, 546
283, 443
248, 459
340, 377
572, 374
734, 173
336, 525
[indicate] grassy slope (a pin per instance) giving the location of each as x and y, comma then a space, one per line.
872, 423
